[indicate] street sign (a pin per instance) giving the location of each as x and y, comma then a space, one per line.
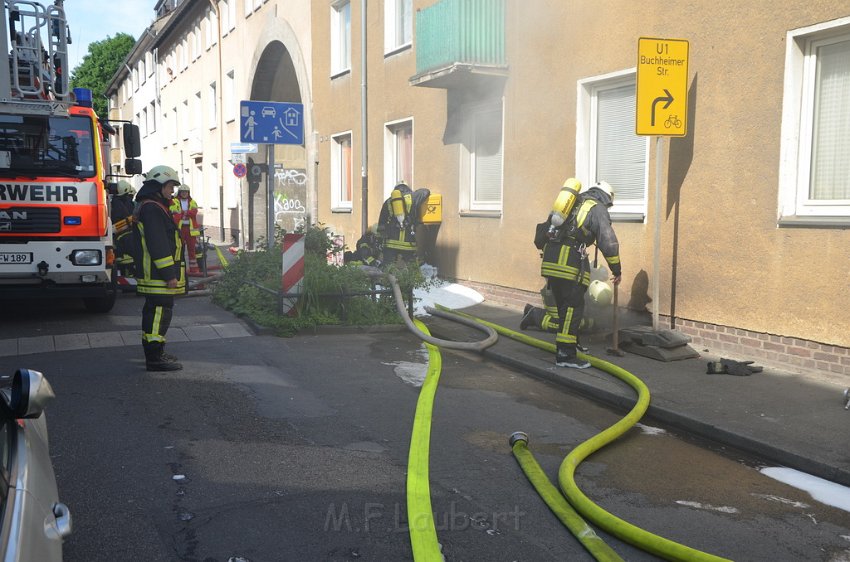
270, 122
661, 101
237, 158
243, 148
239, 170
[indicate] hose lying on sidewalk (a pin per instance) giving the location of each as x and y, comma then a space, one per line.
624, 530
420, 516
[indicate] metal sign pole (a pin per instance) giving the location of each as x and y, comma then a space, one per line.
656, 242
270, 196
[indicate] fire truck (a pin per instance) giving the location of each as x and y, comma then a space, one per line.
55, 232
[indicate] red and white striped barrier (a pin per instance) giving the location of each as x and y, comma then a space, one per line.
293, 270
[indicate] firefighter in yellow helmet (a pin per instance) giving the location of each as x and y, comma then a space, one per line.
160, 273
399, 216
567, 269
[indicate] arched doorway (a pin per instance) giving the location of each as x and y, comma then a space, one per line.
282, 194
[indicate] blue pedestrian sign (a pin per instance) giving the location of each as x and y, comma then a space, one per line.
271, 122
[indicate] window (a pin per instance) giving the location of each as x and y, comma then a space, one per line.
398, 24
230, 10
143, 74
341, 172
398, 155
341, 37
607, 147
249, 7
481, 158
196, 49
814, 171
152, 116
229, 99
184, 120
213, 105
149, 63
211, 186
175, 124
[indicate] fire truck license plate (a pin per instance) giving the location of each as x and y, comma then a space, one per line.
15, 257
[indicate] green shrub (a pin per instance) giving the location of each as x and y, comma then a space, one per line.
252, 281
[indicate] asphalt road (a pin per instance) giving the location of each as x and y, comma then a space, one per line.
296, 449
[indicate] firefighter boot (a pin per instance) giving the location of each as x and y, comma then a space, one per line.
154, 359
167, 356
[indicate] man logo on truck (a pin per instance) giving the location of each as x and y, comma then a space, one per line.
38, 192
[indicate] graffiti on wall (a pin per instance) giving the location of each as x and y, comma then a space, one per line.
290, 197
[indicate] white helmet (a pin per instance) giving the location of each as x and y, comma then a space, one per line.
183, 187
163, 175
125, 188
606, 187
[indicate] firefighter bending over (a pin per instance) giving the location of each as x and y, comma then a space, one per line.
576, 221
368, 249
399, 216
160, 273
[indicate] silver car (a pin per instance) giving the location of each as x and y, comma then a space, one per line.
34, 522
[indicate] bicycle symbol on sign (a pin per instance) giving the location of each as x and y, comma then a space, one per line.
673, 121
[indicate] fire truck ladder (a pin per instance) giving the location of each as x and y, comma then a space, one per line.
36, 79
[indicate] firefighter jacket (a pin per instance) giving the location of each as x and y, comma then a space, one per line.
564, 256
186, 218
368, 250
399, 236
121, 207
162, 249
121, 213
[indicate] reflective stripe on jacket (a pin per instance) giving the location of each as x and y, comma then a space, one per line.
191, 219
162, 252
592, 224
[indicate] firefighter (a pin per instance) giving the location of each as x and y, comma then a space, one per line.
160, 272
121, 212
398, 220
567, 269
184, 210
367, 250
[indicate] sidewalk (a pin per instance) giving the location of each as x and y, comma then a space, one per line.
780, 416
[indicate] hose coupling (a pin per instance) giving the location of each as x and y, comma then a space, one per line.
518, 436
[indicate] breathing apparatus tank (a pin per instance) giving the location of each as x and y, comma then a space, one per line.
564, 204
397, 205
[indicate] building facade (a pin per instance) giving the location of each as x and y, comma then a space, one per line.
493, 103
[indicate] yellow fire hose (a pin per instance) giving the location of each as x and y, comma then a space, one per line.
636, 536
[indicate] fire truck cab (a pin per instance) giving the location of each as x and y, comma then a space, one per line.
55, 232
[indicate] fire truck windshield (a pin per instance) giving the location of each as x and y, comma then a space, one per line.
34, 145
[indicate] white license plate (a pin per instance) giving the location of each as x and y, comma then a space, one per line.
15, 257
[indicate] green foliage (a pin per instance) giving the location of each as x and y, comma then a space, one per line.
252, 280
99, 66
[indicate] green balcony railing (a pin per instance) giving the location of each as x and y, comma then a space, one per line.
460, 31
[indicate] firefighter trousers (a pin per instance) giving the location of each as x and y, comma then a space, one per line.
156, 317
569, 296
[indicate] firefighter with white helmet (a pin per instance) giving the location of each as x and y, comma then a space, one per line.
567, 269
161, 273
121, 209
184, 211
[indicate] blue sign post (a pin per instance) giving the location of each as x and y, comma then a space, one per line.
271, 122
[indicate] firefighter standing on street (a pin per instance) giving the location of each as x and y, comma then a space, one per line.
397, 221
184, 210
565, 263
121, 212
161, 273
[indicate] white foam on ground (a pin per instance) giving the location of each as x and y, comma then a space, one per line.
698, 505
450, 295
824, 491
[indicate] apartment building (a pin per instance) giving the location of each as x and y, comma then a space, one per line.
493, 103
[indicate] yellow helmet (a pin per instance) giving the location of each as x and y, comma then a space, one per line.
125, 188
163, 175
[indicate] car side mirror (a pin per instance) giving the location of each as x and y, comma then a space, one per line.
30, 394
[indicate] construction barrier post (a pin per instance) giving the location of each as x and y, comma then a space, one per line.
293, 271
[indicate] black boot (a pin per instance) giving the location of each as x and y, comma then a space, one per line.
173, 358
154, 359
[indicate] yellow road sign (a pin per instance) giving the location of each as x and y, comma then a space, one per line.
662, 87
